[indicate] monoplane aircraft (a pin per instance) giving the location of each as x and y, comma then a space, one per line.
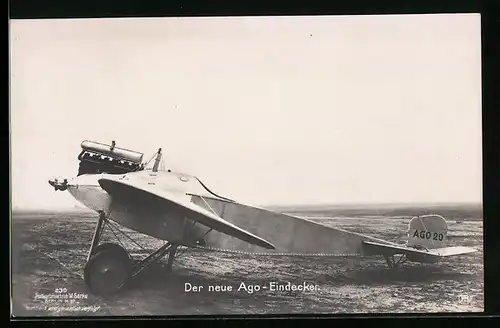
180, 210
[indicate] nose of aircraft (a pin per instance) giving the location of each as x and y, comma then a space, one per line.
59, 183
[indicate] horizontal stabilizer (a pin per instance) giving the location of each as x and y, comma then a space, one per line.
450, 251
389, 249
119, 186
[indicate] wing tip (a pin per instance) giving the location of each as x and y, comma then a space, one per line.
268, 245
257, 241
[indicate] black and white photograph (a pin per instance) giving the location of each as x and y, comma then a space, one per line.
246, 165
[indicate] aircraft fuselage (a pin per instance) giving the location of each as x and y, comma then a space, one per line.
168, 224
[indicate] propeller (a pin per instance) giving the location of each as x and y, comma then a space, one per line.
59, 183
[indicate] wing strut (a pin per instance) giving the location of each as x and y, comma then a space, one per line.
210, 207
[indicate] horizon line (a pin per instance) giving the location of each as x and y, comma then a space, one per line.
304, 205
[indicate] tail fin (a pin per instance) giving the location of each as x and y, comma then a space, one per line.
427, 231
427, 239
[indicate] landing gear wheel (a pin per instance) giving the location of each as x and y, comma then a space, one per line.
114, 247
108, 269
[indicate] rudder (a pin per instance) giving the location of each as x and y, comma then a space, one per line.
427, 231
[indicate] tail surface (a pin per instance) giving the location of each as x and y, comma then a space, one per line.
427, 232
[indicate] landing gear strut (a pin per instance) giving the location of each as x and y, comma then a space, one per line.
391, 261
110, 267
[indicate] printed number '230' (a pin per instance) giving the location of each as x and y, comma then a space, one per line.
428, 235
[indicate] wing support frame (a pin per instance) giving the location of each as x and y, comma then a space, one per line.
201, 240
116, 258
391, 261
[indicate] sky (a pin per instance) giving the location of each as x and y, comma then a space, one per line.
264, 110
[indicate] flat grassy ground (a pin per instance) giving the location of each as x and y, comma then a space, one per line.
49, 251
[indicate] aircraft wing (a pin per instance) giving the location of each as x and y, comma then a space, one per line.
379, 248
116, 187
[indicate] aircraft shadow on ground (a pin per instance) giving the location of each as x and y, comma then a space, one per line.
158, 277
404, 274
